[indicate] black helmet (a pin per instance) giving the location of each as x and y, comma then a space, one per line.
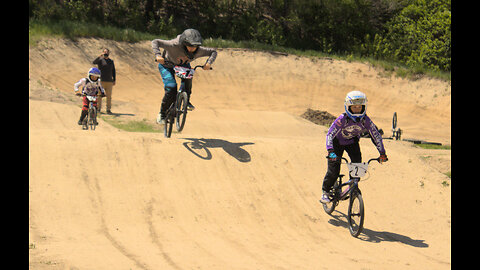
191, 37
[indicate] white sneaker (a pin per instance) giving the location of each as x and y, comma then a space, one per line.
160, 120
325, 198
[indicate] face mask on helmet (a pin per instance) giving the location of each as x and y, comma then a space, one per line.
93, 74
356, 98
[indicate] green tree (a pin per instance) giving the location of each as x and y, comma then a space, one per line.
419, 36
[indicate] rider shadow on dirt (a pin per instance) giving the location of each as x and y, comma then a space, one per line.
200, 148
374, 236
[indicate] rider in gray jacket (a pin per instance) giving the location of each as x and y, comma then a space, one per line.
179, 51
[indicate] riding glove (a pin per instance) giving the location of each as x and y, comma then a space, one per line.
332, 156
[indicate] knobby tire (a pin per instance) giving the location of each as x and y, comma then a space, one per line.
181, 115
354, 226
92, 117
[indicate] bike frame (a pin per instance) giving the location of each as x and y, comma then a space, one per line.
173, 111
88, 121
352, 183
356, 171
180, 90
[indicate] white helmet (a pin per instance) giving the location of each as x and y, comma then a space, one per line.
356, 98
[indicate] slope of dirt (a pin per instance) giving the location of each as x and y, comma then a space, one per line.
239, 187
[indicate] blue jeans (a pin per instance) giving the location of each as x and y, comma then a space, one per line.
170, 86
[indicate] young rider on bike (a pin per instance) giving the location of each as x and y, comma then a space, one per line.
90, 86
179, 51
344, 134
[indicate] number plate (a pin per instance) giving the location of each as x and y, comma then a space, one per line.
357, 169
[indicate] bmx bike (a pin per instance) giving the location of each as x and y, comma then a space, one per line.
177, 112
397, 132
90, 119
356, 210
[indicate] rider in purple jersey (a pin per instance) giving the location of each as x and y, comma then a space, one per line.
345, 131
344, 134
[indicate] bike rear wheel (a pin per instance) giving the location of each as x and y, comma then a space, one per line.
394, 121
356, 214
181, 115
329, 207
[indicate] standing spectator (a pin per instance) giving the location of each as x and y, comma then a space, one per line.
107, 67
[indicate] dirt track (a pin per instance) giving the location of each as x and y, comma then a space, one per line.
239, 187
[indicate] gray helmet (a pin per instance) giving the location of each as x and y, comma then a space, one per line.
191, 37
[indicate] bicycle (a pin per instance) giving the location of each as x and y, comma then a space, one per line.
91, 117
177, 112
355, 216
397, 132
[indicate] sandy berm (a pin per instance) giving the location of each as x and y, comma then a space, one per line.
239, 187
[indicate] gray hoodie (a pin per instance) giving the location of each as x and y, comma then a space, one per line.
174, 52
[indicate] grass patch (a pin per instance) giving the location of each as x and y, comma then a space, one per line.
132, 126
433, 146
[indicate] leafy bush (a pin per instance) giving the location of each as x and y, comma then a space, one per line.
413, 32
420, 35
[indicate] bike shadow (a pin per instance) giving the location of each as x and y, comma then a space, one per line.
376, 236
200, 148
117, 114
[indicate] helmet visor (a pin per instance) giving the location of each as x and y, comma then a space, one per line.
357, 101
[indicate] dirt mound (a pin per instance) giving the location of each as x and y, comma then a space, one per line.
318, 117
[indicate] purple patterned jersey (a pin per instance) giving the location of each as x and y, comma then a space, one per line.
345, 130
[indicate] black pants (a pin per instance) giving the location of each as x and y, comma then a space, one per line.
333, 170
171, 94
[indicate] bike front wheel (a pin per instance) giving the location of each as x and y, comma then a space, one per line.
92, 117
181, 115
356, 214
169, 119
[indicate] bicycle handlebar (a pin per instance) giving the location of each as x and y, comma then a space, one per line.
370, 160
201, 67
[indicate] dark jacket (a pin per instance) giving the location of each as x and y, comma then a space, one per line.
107, 67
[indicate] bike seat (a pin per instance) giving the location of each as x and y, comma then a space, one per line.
341, 176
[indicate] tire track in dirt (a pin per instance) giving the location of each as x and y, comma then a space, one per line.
97, 204
155, 238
